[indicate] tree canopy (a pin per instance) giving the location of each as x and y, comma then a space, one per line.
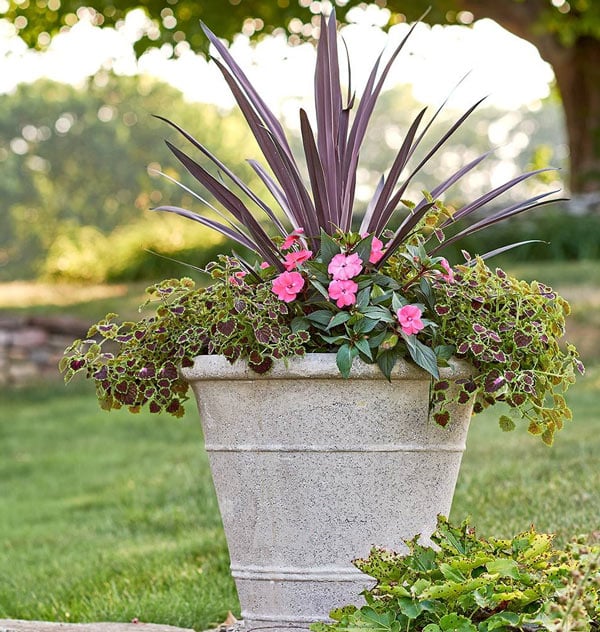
179, 20
76, 177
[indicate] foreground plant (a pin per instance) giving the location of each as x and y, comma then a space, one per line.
374, 288
471, 584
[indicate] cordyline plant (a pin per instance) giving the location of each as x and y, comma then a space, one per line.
374, 287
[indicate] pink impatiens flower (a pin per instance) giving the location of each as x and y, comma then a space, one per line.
449, 276
343, 292
264, 265
409, 318
376, 248
287, 285
292, 238
343, 267
295, 258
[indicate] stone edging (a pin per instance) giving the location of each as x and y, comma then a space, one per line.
19, 625
31, 347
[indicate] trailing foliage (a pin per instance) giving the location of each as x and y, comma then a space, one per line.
471, 584
510, 331
229, 318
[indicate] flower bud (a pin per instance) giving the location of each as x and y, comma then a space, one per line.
389, 343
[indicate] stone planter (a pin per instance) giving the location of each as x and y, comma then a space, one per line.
311, 470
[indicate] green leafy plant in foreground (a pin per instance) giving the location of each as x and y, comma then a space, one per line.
468, 584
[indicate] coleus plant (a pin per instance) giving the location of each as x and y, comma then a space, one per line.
373, 287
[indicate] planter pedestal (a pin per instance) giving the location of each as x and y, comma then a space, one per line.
311, 470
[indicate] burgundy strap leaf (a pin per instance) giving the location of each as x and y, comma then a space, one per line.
240, 183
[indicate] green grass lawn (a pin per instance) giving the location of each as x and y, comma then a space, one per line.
106, 516
112, 516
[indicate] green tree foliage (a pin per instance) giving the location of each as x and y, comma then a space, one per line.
74, 167
179, 20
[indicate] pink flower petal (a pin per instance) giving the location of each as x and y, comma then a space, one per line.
294, 259
409, 318
343, 267
287, 285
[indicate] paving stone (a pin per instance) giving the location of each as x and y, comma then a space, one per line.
18, 625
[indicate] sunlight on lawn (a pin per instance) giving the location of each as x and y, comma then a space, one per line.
30, 293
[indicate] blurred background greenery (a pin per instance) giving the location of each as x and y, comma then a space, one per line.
78, 183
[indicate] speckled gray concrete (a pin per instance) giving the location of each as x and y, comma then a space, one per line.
311, 470
19, 625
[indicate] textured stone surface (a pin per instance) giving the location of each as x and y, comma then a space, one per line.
17, 625
31, 347
312, 470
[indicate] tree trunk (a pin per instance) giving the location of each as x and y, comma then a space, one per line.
577, 71
578, 79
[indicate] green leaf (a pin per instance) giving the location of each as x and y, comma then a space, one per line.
382, 620
377, 339
379, 313
426, 291
320, 288
365, 326
455, 623
506, 423
338, 613
502, 620
397, 302
504, 568
424, 559
386, 361
444, 352
363, 281
338, 319
300, 323
409, 607
421, 585
386, 281
333, 340
452, 590
321, 316
318, 268
329, 248
363, 249
432, 627
344, 358
363, 346
422, 355
449, 572
453, 537
362, 298
377, 292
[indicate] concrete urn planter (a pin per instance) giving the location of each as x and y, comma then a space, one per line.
311, 470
